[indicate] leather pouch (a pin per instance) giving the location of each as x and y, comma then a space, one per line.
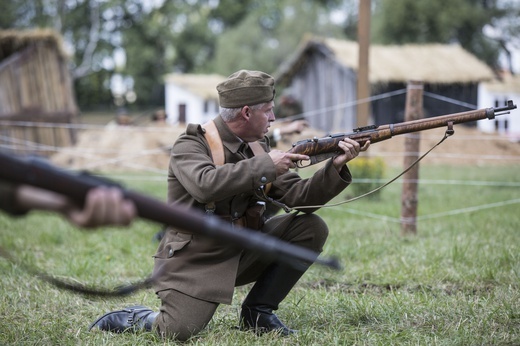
255, 216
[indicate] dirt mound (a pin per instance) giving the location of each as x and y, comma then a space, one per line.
146, 148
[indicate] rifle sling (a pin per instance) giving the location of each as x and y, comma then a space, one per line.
89, 291
448, 133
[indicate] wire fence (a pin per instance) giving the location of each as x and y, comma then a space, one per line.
451, 212
96, 157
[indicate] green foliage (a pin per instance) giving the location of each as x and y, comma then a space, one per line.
8, 14
366, 173
265, 38
91, 90
161, 37
442, 21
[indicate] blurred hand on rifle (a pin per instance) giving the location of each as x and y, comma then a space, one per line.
104, 206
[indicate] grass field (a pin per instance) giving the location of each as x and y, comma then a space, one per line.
457, 282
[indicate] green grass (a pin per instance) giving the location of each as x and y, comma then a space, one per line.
457, 282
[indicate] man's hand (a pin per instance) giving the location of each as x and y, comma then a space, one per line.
351, 150
284, 161
103, 207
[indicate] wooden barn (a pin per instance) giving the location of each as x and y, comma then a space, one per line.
322, 75
37, 100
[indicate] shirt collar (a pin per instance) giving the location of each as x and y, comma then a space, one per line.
229, 139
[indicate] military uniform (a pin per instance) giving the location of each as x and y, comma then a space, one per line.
194, 273
201, 267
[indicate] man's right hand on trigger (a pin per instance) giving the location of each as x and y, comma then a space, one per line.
284, 161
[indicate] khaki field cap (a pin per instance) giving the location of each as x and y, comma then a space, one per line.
246, 88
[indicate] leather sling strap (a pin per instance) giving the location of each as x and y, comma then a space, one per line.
217, 147
215, 142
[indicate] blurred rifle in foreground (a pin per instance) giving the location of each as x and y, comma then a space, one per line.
320, 149
39, 173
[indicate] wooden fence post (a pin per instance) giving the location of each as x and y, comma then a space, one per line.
409, 197
363, 85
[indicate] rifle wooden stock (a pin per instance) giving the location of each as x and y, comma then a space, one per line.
38, 173
319, 149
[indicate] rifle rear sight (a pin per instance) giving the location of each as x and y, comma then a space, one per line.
365, 128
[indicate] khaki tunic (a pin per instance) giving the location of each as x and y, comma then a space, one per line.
205, 268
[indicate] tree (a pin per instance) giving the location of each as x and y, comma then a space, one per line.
222, 36
505, 30
267, 36
158, 38
85, 28
441, 21
203, 36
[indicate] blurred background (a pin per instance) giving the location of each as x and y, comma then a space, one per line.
72, 66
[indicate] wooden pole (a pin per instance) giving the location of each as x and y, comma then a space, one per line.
363, 86
409, 197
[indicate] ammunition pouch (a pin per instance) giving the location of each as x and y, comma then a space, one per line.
255, 216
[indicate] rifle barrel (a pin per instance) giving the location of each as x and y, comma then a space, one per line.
441, 121
38, 173
319, 149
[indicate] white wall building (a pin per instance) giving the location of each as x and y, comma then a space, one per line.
496, 94
191, 98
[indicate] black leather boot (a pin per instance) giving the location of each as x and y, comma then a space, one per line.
131, 319
265, 296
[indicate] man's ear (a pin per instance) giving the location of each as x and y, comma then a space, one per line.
246, 112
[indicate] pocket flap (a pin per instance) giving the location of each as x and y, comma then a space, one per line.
176, 246
171, 248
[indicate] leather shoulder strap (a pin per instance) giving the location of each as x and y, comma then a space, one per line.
215, 142
217, 149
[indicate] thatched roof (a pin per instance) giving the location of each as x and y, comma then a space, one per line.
203, 85
34, 76
429, 63
13, 41
508, 84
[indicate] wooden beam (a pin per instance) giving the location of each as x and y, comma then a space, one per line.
363, 86
409, 196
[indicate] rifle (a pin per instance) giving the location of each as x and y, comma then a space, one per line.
39, 173
320, 149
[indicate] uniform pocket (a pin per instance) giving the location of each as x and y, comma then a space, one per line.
175, 243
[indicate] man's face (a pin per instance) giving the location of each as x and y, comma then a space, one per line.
260, 120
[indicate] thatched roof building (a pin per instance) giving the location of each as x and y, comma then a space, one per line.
322, 74
36, 89
496, 93
508, 83
430, 63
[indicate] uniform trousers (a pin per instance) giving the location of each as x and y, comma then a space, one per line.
182, 316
